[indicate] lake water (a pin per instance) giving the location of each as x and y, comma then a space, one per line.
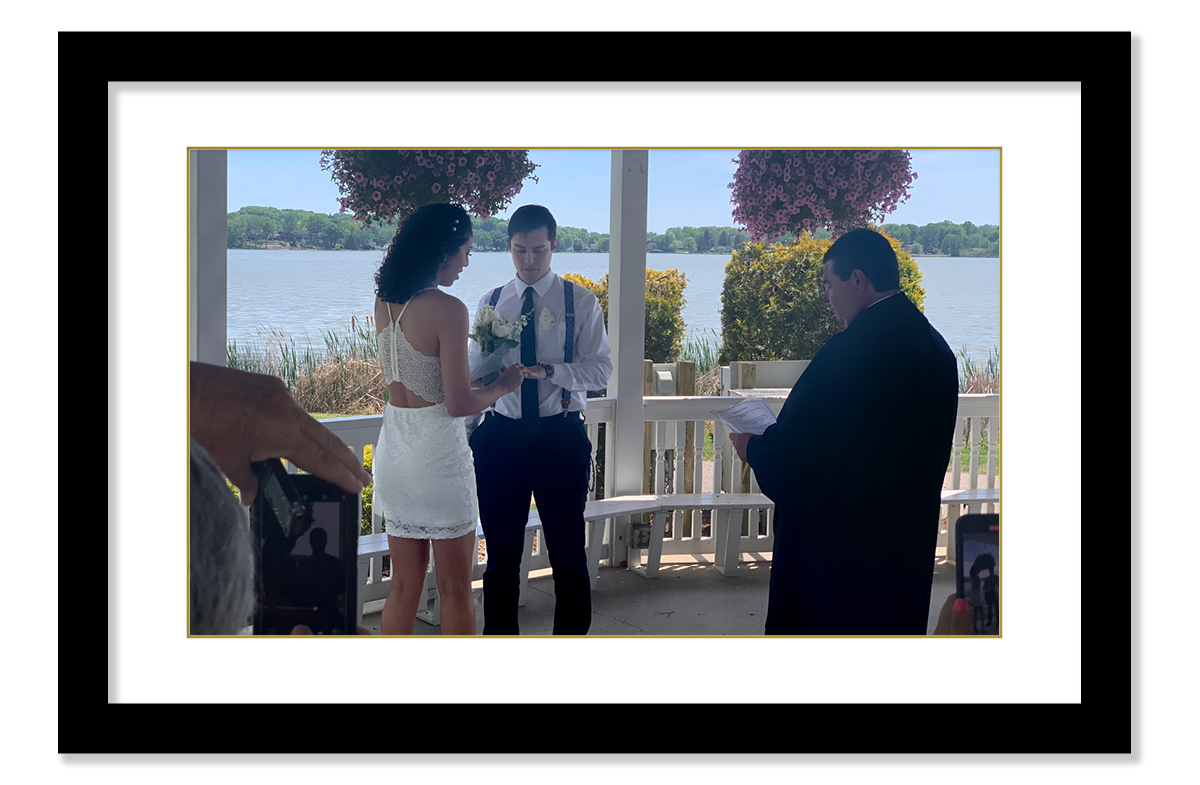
305, 293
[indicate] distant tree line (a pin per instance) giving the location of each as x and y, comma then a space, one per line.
258, 227
947, 237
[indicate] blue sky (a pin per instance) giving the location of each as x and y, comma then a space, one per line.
687, 187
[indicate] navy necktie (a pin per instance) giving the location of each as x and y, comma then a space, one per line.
529, 387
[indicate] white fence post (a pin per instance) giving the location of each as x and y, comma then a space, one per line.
627, 325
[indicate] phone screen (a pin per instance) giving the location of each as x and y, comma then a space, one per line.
980, 578
302, 575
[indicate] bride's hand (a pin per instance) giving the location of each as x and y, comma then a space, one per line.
510, 380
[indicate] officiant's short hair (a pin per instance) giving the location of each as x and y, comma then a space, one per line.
530, 217
869, 251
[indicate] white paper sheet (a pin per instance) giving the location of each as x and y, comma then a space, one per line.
749, 416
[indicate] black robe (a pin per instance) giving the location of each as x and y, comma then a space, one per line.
855, 467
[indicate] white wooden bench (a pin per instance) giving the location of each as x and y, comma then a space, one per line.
974, 499
726, 535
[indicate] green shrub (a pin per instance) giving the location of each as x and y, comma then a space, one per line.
773, 300
368, 493
664, 310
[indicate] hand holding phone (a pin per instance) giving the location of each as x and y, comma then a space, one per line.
238, 416
977, 550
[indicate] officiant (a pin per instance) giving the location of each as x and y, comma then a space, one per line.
533, 443
856, 462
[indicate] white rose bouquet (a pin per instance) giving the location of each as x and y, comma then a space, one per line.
496, 339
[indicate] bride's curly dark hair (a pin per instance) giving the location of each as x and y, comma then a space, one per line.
431, 235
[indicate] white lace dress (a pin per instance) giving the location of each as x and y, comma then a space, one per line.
423, 468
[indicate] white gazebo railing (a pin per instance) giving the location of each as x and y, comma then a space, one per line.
671, 420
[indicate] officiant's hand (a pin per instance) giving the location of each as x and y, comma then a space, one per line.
240, 417
739, 443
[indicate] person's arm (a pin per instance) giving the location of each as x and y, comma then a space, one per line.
810, 444
591, 367
462, 397
240, 417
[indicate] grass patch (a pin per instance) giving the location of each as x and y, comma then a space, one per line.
344, 379
975, 378
705, 351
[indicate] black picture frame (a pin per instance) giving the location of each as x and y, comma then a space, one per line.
89, 724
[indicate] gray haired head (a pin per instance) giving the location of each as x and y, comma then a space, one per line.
221, 561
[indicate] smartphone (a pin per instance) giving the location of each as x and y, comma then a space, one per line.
977, 548
305, 533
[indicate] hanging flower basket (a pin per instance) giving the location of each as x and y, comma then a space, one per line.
780, 191
390, 185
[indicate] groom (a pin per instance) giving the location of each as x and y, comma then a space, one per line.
534, 442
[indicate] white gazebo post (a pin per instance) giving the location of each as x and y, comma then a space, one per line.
627, 325
207, 240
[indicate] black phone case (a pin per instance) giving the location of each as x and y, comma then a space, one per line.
972, 523
270, 543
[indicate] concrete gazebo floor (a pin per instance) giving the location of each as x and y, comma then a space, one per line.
688, 598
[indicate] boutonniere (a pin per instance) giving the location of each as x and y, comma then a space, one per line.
546, 318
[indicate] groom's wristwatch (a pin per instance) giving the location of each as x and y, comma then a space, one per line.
549, 369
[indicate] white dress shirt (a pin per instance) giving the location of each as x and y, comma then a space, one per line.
590, 367
881, 299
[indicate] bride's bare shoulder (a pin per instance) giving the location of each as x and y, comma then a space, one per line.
447, 306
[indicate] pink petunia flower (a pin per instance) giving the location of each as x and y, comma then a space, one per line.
437, 187
377, 196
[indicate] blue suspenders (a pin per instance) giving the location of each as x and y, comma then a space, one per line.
568, 343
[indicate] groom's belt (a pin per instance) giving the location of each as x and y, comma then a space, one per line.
562, 416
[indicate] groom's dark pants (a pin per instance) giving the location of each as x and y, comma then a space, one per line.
550, 462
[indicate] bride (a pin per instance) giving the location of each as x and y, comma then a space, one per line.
424, 473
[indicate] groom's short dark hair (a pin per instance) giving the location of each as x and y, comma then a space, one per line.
530, 217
